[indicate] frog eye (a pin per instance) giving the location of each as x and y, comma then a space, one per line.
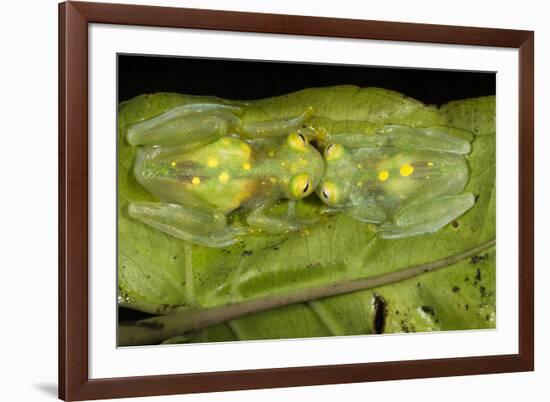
297, 141
334, 152
300, 186
330, 194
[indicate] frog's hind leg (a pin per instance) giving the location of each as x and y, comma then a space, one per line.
427, 216
186, 124
418, 138
437, 139
204, 226
276, 127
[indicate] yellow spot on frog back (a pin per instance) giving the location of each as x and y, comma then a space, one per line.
196, 180
406, 170
246, 166
383, 175
173, 164
271, 153
212, 162
430, 164
273, 180
224, 177
246, 149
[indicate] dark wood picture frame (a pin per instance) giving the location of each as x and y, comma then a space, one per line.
74, 382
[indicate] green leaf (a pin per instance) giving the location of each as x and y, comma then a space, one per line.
157, 273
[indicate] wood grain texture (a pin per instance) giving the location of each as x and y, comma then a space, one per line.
298, 25
74, 382
73, 202
526, 201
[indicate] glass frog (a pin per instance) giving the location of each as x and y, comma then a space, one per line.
203, 163
407, 180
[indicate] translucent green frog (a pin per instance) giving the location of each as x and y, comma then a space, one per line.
410, 181
203, 163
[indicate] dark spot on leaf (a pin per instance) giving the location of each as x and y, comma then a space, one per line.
379, 314
455, 224
467, 307
478, 275
476, 259
466, 279
428, 310
246, 253
476, 197
274, 246
455, 289
482, 291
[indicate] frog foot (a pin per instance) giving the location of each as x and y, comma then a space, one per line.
427, 217
206, 227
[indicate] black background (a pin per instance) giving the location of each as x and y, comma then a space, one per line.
236, 79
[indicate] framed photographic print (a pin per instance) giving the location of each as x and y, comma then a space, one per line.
258, 200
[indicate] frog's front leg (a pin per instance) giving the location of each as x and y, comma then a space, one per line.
290, 222
199, 223
186, 124
426, 216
